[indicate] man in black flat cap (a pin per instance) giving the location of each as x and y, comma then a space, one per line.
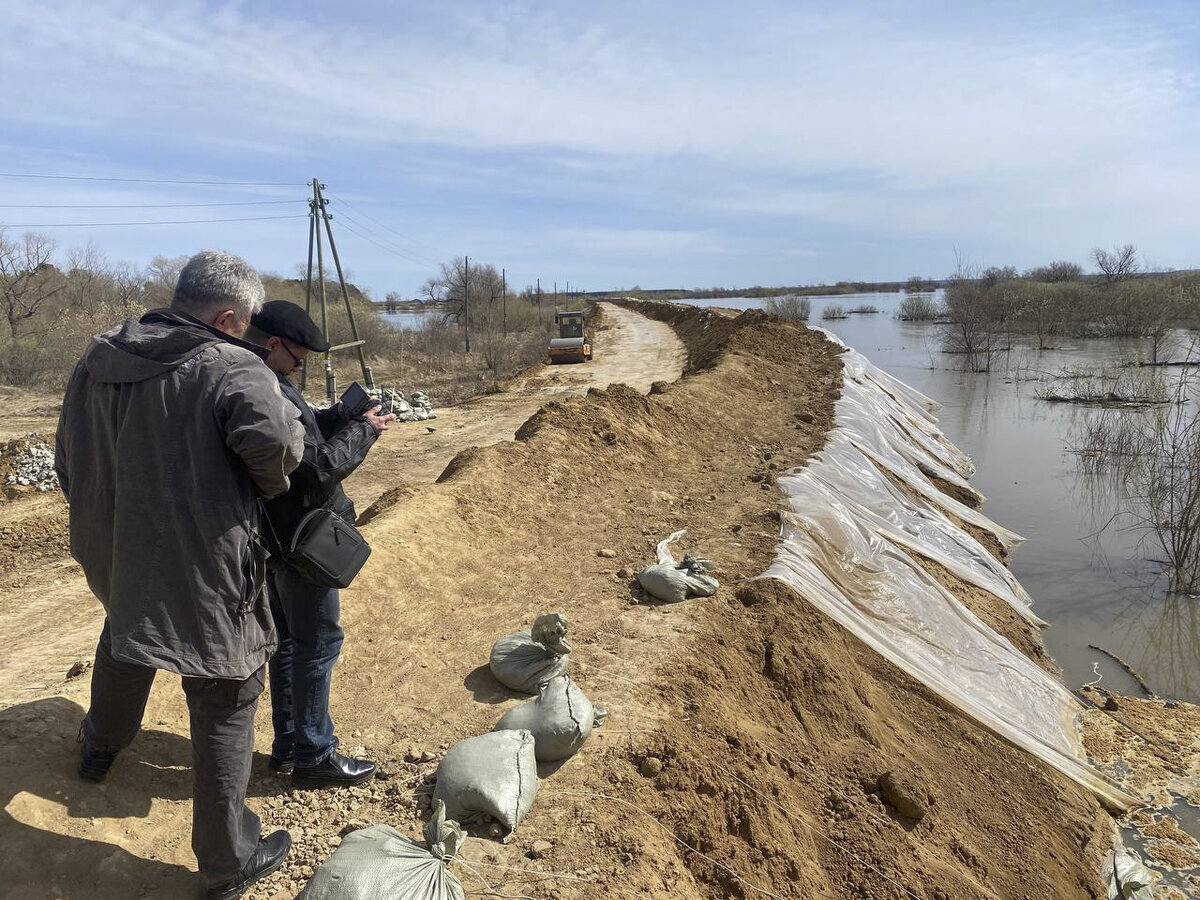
306, 614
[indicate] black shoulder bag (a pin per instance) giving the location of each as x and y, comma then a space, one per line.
325, 548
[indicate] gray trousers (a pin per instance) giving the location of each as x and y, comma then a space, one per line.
225, 832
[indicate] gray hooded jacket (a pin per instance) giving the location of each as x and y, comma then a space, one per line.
170, 431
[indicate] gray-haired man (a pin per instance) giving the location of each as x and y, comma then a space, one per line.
171, 428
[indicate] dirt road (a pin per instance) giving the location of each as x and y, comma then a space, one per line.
51, 621
630, 349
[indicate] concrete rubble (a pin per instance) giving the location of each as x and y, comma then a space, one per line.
417, 408
32, 462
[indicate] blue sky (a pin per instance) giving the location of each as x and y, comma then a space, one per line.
658, 144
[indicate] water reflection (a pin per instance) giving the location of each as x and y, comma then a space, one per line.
410, 319
1093, 584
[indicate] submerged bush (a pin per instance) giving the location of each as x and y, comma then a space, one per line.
1154, 458
918, 308
790, 307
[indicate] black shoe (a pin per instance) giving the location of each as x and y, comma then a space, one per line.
282, 766
336, 771
266, 858
94, 764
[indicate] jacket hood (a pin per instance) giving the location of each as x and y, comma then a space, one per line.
159, 342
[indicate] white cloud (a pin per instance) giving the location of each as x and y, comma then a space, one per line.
853, 93
908, 119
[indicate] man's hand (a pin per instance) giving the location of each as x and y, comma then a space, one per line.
379, 423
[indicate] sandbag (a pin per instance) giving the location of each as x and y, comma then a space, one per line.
671, 582
493, 776
1128, 877
560, 719
526, 660
379, 862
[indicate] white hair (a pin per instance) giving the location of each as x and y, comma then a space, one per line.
214, 280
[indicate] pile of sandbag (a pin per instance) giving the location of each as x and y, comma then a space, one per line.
493, 777
525, 660
673, 582
560, 719
379, 862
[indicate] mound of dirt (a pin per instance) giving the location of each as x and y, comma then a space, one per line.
782, 755
752, 747
706, 334
34, 526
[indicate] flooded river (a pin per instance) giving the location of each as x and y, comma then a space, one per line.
1094, 585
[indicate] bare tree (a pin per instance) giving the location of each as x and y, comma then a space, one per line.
93, 285
1155, 458
28, 278
993, 275
161, 275
1059, 270
790, 307
1116, 264
449, 288
978, 309
127, 283
1042, 312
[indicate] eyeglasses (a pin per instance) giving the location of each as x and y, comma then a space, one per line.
299, 362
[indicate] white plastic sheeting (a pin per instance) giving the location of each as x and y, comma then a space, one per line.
849, 474
846, 549
1127, 876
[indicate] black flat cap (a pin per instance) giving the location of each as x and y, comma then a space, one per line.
284, 319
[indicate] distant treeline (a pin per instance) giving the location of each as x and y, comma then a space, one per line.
985, 308
808, 290
1052, 273
52, 302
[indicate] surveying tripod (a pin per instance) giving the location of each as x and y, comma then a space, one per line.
317, 215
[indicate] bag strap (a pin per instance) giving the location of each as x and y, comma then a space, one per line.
265, 516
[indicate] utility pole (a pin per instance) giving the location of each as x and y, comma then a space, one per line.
539, 296
318, 216
312, 230
467, 300
319, 213
504, 298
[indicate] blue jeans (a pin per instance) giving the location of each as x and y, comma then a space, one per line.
310, 639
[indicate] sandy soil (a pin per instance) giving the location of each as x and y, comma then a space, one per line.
752, 749
629, 349
42, 584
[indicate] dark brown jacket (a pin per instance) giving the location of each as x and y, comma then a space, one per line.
170, 431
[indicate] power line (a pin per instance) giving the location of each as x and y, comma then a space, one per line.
141, 205
387, 227
359, 228
365, 231
392, 250
169, 222
152, 180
